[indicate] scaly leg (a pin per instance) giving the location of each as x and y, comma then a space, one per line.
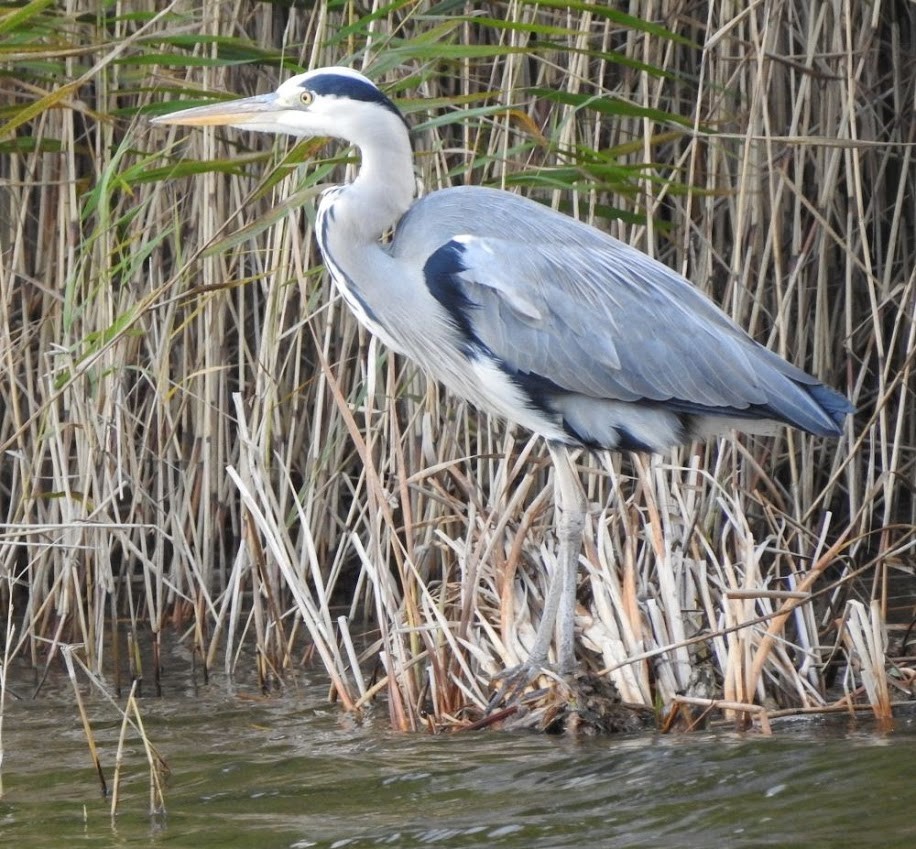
558, 618
570, 509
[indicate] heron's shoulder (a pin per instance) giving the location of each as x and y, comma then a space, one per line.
478, 211
468, 203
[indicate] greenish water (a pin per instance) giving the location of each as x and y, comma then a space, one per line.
292, 772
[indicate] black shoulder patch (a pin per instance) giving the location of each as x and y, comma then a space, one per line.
441, 275
340, 85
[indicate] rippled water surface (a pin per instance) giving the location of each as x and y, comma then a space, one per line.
291, 772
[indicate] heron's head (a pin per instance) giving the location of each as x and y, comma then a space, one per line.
336, 102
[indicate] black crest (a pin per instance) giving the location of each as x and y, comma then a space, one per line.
341, 85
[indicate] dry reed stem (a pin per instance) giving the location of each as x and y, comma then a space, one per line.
156, 772
84, 718
9, 634
864, 632
119, 755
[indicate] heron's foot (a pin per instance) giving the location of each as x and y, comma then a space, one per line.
580, 702
512, 683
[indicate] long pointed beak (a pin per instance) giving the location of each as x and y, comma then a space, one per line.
230, 113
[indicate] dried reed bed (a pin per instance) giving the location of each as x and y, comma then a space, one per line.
196, 435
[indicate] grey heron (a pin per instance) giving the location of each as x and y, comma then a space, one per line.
527, 313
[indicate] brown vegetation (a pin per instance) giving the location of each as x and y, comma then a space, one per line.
197, 436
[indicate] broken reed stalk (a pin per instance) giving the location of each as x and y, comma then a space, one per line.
756, 713
130, 716
67, 653
119, 754
765, 153
157, 769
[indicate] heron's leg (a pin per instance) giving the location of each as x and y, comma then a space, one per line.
558, 618
570, 510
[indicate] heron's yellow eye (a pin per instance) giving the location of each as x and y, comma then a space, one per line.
306, 98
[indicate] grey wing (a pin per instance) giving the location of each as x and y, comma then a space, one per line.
603, 322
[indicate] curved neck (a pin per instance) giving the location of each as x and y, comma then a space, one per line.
384, 190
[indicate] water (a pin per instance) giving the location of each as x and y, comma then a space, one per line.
292, 772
